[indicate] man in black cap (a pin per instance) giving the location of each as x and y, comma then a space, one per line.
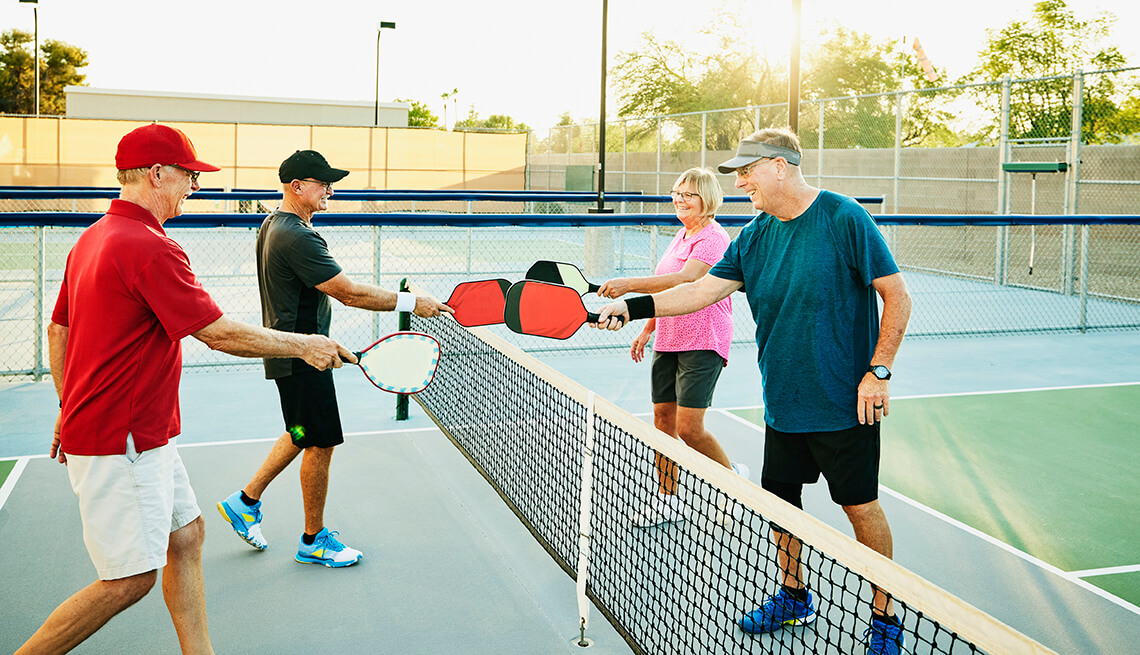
296, 276
813, 267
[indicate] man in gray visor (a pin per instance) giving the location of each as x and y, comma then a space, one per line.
813, 267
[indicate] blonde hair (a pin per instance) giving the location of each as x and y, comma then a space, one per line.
707, 186
778, 136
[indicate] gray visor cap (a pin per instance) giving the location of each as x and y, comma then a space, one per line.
750, 151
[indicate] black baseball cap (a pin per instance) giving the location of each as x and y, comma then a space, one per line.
308, 164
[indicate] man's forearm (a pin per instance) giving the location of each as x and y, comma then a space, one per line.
244, 340
892, 327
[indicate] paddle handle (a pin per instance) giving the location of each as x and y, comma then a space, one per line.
591, 317
358, 355
592, 288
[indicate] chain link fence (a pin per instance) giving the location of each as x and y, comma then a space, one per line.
966, 279
930, 151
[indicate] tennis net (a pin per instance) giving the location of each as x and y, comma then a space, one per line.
574, 468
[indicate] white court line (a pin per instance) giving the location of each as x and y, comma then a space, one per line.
266, 439
1069, 577
14, 475
1027, 390
1088, 573
1072, 577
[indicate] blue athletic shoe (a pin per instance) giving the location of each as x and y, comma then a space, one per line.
326, 550
245, 520
885, 639
778, 611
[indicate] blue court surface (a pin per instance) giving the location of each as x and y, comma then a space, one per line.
449, 569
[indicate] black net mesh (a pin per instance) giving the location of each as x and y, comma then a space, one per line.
681, 587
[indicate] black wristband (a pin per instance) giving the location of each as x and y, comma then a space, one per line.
641, 307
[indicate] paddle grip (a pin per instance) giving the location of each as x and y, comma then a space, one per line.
591, 317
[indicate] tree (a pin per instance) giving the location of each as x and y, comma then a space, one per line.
664, 77
1046, 49
59, 68
865, 73
419, 115
494, 123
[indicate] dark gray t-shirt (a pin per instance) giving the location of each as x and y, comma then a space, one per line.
292, 259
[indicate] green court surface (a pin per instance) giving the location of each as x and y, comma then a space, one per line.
6, 467
1051, 473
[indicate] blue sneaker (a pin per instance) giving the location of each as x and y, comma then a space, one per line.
245, 520
778, 611
326, 550
885, 639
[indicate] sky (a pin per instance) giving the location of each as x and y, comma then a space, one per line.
530, 59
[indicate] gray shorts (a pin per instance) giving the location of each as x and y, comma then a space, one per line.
687, 378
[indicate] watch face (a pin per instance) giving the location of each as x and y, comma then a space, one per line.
881, 372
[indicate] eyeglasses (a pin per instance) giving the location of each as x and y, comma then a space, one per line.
326, 185
745, 171
688, 196
193, 175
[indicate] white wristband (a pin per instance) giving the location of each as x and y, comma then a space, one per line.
405, 301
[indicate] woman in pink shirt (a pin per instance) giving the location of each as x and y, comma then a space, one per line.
690, 350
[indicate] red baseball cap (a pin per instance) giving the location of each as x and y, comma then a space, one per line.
158, 144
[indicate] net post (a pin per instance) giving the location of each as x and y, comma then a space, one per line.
584, 520
403, 323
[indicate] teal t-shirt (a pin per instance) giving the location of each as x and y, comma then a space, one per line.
808, 283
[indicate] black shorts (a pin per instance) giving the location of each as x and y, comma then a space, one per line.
308, 403
687, 378
848, 459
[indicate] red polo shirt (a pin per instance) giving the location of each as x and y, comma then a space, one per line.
128, 298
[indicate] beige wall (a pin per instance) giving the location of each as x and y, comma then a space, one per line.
77, 152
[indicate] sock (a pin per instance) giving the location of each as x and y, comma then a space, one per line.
247, 500
308, 538
800, 595
889, 620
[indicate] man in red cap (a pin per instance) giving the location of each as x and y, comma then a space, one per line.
127, 300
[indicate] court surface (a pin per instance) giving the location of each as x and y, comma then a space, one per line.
1021, 502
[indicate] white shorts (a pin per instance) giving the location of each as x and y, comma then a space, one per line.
129, 505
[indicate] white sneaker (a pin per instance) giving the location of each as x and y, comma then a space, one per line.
740, 469
661, 509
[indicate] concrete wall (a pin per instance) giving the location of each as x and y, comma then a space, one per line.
122, 104
941, 180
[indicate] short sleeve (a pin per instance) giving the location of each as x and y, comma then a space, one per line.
310, 259
728, 268
710, 249
169, 287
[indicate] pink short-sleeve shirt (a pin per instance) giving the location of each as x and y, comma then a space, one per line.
709, 328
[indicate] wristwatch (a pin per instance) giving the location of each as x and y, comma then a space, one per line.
880, 371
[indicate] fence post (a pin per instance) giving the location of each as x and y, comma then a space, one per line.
38, 365
1082, 321
819, 153
1003, 184
704, 135
898, 148
376, 277
1072, 180
657, 188
403, 323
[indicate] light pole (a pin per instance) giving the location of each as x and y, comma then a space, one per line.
381, 26
36, 17
601, 208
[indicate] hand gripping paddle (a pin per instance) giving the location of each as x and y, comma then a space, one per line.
561, 273
479, 302
403, 362
542, 309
